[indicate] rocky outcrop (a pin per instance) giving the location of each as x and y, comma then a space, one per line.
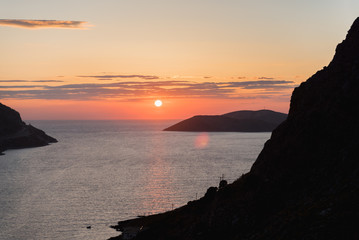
239, 121
305, 182
14, 133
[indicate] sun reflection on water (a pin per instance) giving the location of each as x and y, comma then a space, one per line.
158, 188
202, 140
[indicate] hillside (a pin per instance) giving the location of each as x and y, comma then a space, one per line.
305, 182
14, 133
239, 121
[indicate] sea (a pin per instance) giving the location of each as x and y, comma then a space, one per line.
101, 172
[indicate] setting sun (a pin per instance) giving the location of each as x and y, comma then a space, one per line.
158, 103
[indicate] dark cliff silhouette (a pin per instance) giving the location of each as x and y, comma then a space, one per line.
305, 182
14, 133
240, 121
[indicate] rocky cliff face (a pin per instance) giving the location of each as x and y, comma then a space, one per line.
10, 120
14, 133
305, 182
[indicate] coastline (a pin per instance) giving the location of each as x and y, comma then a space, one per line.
303, 184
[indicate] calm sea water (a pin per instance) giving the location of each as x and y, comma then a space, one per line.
101, 172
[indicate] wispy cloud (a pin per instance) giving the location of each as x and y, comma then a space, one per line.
265, 78
34, 24
262, 84
109, 77
31, 81
21, 86
132, 90
47, 81
189, 77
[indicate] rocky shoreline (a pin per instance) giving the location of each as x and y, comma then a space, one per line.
16, 134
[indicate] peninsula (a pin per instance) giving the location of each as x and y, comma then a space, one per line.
239, 121
15, 134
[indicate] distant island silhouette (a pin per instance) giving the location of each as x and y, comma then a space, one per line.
15, 134
239, 121
304, 183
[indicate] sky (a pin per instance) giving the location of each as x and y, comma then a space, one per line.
111, 59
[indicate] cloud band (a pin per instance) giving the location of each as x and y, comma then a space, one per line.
34, 24
144, 89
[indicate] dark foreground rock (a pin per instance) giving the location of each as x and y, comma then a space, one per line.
14, 133
305, 182
239, 121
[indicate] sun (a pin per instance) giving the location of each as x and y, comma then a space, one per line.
158, 103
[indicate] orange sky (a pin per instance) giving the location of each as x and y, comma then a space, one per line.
112, 60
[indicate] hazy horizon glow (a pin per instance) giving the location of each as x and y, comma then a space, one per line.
202, 57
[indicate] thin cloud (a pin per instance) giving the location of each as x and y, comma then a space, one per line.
262, 84
48, 81
31, 81
34, 24
266, 78
189, 77
12, 81
146, 89
109, 77
22, 86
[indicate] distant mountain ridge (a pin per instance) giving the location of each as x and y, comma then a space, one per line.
14, 133
239, 121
